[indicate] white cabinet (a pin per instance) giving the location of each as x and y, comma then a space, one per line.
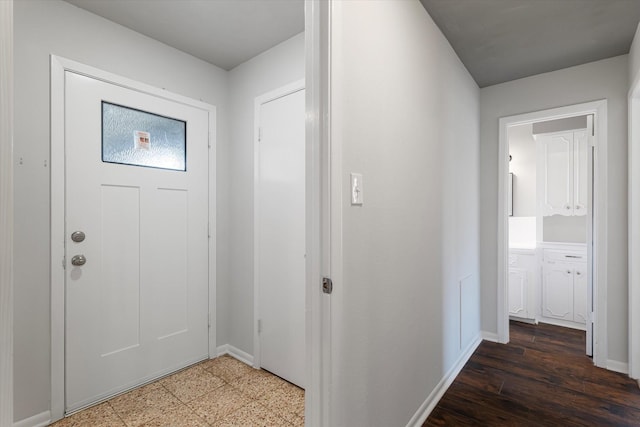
522, 283
557, 291
564, 286
580, 293
562, 173
518, 287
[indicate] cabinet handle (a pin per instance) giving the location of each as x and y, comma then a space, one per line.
568, 271
578, 273
567, 207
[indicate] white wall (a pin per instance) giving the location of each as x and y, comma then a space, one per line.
6, 213
270, 70
406, 302
52, 26
522, 148
634, 57
606, 79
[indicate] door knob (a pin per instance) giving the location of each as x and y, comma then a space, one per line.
78, 260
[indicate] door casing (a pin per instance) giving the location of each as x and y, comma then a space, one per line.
59, 66
598, 259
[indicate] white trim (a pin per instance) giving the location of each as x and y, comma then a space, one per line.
280, 92
6, 213
59, 66
489, 336
39, 420
599, 211
616, 366
213, 235
236, 353
634, 229
434, 397
318, 305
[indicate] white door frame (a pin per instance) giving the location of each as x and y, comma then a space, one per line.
318, 211
259, 100
599, 209
634, 229
6, 213
59, 66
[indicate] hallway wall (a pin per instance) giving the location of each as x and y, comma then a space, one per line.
44, 27
606, 79
406, 301
280, 65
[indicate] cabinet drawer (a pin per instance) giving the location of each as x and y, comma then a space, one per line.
564, 256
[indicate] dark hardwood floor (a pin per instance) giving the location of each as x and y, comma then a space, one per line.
541, 378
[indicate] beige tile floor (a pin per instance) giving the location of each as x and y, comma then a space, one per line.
222, 392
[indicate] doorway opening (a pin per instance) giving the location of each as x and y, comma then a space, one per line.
551, 221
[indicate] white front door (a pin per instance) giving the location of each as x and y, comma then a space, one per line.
280, 239
136, 187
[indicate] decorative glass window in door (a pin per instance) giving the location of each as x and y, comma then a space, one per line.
138, 138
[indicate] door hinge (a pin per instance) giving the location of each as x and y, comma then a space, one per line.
259, 134
209, 140
327, 285
64, 262
209, 230
209, 321
259, 325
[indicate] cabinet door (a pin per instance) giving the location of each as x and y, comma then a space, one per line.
580, 290
580, 165
518, 292
557, 174
557, 291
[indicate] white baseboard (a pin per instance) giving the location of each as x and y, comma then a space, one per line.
434, 397
614, 365
235, 353
489, 336
39, 420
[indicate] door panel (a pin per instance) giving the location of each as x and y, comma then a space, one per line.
557, 291
138, 308
557, 179
518, 292
580, 289
280, 240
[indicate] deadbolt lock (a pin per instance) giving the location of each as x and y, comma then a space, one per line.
77, 236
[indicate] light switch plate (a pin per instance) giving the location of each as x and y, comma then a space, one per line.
357, 189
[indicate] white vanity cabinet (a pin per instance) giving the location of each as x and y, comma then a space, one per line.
562, 173
522, 283
564, 287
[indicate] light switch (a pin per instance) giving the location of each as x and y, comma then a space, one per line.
357, 189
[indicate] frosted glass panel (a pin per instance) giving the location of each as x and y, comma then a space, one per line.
138, 138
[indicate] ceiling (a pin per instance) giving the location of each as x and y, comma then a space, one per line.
497, 40
503, 40
225, 33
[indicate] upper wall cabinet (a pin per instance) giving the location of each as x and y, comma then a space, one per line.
562, 173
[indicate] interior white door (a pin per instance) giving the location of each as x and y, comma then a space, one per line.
137, 309
280, 240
